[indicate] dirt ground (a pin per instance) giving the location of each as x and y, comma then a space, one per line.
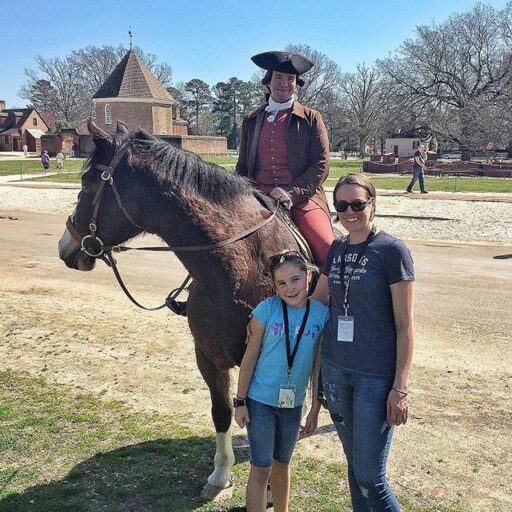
78, 329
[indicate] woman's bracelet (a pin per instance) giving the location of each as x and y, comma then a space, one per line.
400, 392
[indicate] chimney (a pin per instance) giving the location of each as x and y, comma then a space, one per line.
2, 105
178, 113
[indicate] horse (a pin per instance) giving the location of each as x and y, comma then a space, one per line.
153, 187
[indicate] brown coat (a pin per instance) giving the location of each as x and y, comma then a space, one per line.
307, 149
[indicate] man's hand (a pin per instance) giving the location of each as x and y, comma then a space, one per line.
280, 195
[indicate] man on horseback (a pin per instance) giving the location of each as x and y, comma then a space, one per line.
284, 149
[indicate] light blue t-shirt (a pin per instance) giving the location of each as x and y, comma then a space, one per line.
270, 371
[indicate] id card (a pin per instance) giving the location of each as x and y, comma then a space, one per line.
346, 328
287, 397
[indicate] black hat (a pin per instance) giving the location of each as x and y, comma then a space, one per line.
284, 62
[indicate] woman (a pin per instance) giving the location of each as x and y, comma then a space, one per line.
284, 149
367, 281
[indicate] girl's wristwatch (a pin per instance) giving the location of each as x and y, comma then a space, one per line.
238, 402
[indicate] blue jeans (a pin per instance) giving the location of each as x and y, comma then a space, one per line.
417, 174
272, 432
357, 404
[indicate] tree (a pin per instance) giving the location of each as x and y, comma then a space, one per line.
364, 102
60, 92
452, 69
198, 98
233, 100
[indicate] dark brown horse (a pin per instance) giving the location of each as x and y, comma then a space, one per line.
149, 186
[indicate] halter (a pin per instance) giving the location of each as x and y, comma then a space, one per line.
104, 252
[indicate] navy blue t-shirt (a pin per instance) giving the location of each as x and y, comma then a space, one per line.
386, 261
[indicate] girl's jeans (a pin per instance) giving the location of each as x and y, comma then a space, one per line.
357, 404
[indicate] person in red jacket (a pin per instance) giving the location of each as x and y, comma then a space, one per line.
284, 149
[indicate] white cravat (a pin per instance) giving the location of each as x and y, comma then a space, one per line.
274, 107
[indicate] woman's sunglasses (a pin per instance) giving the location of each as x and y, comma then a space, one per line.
285, 256
357, 205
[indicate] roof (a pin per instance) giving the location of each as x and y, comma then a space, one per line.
16, 117
35, 132
132, 79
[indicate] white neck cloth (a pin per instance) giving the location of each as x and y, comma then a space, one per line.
274, 107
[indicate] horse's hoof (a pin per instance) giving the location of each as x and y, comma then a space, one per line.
213, 493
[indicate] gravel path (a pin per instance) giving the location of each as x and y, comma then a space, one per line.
480, 218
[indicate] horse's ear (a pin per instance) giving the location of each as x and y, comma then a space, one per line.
121, 129
97, 133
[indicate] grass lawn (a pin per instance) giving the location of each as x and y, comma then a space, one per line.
29, 166
67, 452
339, 168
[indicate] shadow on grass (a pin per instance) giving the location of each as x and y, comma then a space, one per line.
161, 475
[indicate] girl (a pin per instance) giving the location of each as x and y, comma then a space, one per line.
283, 350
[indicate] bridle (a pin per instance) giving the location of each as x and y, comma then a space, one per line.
104, 252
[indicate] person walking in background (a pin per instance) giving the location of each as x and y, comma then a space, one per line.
45, 160
25, 150
418, 167
284, 149
60, 161
367, 282
283, 351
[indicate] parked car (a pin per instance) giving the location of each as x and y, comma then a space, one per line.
453, 155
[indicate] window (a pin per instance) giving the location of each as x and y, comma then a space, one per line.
6, 139
108, 114
34, 121
415, 144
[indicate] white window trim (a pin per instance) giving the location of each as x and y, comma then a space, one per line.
108, 113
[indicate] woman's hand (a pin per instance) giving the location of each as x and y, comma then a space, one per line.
242, 416
311, 424
280, 195
397, 408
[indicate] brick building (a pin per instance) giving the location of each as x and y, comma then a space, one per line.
133, 95
20, 126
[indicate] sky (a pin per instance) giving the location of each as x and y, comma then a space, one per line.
211, 40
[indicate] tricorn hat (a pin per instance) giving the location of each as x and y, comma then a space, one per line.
284, 62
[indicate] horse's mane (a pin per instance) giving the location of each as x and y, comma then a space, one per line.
183, 169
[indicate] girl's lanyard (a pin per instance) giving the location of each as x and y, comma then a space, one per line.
286, 391
346, 323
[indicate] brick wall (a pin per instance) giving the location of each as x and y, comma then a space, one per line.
133, 115
162, 120
202, 145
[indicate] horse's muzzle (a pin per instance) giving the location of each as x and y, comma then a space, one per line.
71, 254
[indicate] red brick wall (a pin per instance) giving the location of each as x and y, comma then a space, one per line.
199, 144
180, 129
162, 120
133, 115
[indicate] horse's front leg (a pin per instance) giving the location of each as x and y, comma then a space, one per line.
218, 384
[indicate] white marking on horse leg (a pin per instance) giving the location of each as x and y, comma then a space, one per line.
224, 460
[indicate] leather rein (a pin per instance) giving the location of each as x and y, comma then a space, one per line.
104, 252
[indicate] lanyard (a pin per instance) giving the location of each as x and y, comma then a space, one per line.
348, 278
290, 356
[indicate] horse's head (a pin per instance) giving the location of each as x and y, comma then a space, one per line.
101, 218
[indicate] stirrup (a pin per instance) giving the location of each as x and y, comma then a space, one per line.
177, 306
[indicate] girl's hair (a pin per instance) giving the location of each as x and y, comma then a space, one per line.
278, 260
361, 180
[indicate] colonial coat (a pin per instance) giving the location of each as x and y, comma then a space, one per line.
307, 153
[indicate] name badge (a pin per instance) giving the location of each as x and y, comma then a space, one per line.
287, 397
346, 328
